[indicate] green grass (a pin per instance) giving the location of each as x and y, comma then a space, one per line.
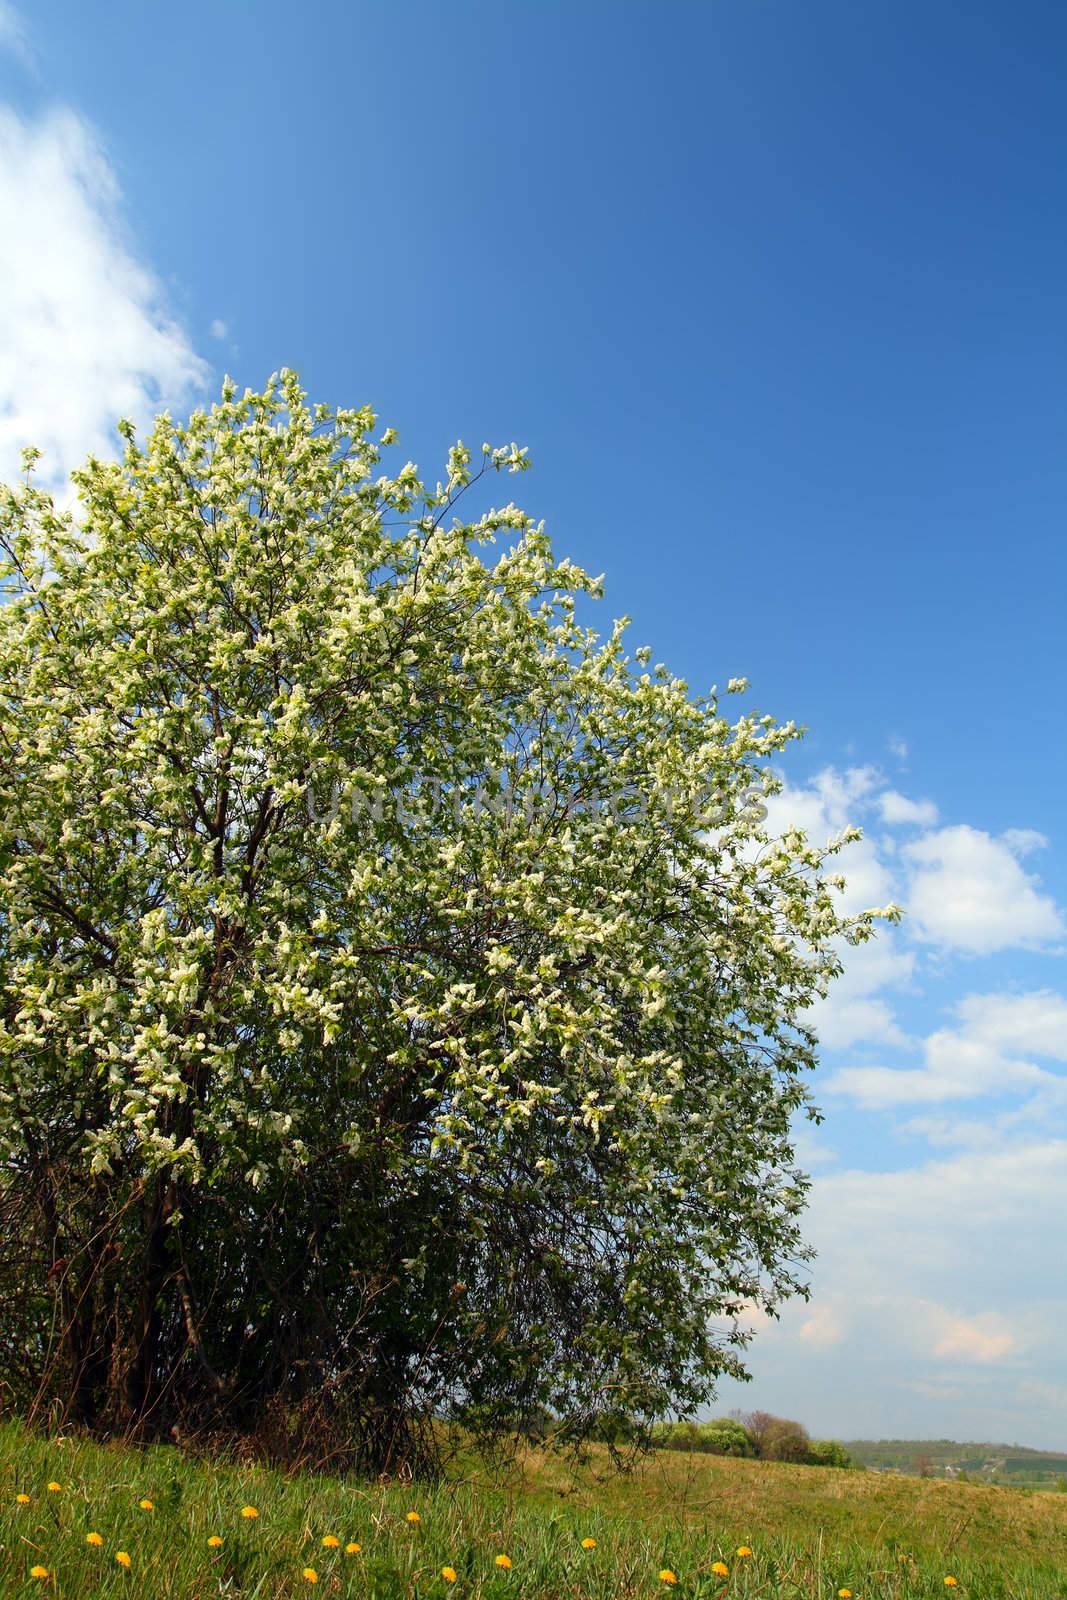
812, 1531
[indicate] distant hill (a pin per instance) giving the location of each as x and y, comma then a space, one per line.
948, 1458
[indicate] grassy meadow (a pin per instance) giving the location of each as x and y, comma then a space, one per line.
812, 1532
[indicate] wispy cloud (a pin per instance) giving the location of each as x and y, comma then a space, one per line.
14, 35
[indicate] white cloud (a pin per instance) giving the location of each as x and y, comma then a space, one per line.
930, 1232
946, 1131
840, 1022
909, 1330
898, 748
897, 808
940, 1299
964, 889
823, 1327
1035, 1022
852, 1012
831, 803
84, 334
968, 891
987, 1054
982, 1338
218, 329
961, 889
879, 1088
1021, 841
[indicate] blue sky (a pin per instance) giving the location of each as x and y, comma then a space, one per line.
777, 296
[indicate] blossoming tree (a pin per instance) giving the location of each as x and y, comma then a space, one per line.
390, 1028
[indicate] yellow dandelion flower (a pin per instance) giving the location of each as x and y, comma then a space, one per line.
950, 1582
449, 1574
249, 1511
122, 1557
353, 1549
667, 1576
22, 1499
844, 1594
38, 1572
146, 1505
743, 1550
503, 1562
214, 1543
330, 1543
720, 1569
94, 1539
55, 1488
310, 1575
588, 1544
413, 1517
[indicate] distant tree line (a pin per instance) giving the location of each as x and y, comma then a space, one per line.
758, 1435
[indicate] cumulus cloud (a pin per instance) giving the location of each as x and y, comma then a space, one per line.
854, 1012
1035, 1022
1006, 1205
823, 1327
988, 1053
969, 892
983, 1338
85, 335
909, 1317
939, 1299
833, 801
897, 808
962, 890
913, 1250
841, 1022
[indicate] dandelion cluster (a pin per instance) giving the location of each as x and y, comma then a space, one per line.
215, 1541
332, 1542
